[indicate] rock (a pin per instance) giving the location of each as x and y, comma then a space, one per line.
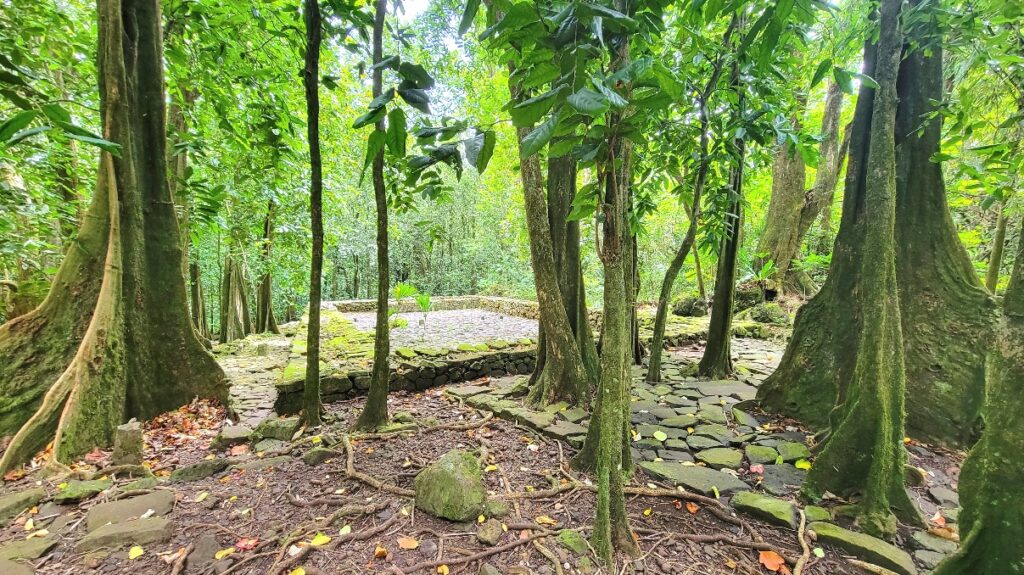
139, 484
564, 430
80, 490
135, 532
770, 509
721, 457
815, 513
282, 428
573, 541
699, 479
33, 548
690, 306
536, 420
128, 444
715, 431
200, 470
11, 568
927, 541
698, 442
231, 435
405, 353
488, 569
915, 476
769, 312
944, 496
452, 487
712, 414
94, 559
14, 503
743, 418
865, 547
465, 391
489, 532
318, 455
782, 479
792, 451
203, 554
160, 502
263, 464
269, 445
928, 559
761, 454
680, 421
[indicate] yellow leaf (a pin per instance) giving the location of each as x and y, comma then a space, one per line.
63, 485
408, 543
223, 553
380, 552
648, 512
481, 519
315, 439
136, 552
730, 563
345, 530
802, 464
297, 571
29, 524
545, 520
202, 496
490, 468
320, 539
715, 491
442, 569
39, 533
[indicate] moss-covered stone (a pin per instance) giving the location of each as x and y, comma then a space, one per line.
760, 454
770, 509
452, 487
791, 451
14, 503
865, 547
282, 428
405, 352
76, 491
200, 470
573, 541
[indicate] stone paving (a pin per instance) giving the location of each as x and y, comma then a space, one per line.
253, 374
449, 328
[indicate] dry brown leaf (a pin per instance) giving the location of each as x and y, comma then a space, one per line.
692, 507
772, 561
380, 552
408, 543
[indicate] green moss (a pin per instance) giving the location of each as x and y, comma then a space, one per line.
452, 488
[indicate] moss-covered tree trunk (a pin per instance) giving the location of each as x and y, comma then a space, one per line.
779, 241
991, 530
863, 455
375, 412
946, 314
113, 339
265, 320
311, 402
995, 259
197, 301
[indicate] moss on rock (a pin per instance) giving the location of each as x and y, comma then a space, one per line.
452, 487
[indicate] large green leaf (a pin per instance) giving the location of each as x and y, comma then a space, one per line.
528, 112
374, 146
369, 117
472, 7
105, 145
396, 134
15, 123
417, 75
383, 99
588, 102
480, 148
539, 137
416, 98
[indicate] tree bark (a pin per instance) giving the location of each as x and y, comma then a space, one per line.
265, 320
946, 314
995, 260
235, 320
312, 405
779, 242
716, 362
112, 340
863, 453
375, 412
990, 527
198, 302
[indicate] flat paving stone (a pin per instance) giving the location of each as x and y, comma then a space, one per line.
695, 478
721, 457
160, 502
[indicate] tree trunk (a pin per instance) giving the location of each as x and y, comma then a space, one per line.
198, 302
779, 242
995, 260
265, 320
375, 412
112, 340
716, 362
990, 527
946, 314
235, 321
312, 406
863, 454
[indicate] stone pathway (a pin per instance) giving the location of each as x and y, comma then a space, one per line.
449, 328
253, 370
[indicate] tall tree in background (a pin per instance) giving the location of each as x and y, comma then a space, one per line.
863, 453
311, 394
265, 320
375, 412
113, 339
946, 313
990, 528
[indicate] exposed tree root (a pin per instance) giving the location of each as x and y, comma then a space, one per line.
798, 569
870, 567
351, 473
284, 566
723, 538
431, 565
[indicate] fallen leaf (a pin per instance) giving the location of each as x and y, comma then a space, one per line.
202, 496
819, 552
380, 552
171, 558
945, 533
239, 450
481, 519
692, 507
545, 520
442, 569
320, 539
136, 552
772, 561
938, 519
730, 563
39, 533
490, 468
345, 530
246, 543
802, 464
29, 524
297, 571
660, 435
223, 553
648, 512
408, 543
14, 474
677, 504
758, 469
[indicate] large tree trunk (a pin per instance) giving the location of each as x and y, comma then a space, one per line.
863, 454
235, 320
995, 259
991, 530
312, 405
112, 340
779, 242
375, 412
946, 313
265, 320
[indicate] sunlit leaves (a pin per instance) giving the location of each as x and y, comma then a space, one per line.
540, 136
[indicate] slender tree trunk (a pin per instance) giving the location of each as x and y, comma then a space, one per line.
312, 406
863, 453
716, 362
991, 530
946, 314
265, 320
198, 302
234, 301
112, 340
375, 413
995, 260
700, 273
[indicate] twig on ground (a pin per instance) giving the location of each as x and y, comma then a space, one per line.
799, 568
870, 567
474, 557
351, 473
285, 565
551, 556
179, 563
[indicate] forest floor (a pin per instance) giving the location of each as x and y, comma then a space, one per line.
328, 501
